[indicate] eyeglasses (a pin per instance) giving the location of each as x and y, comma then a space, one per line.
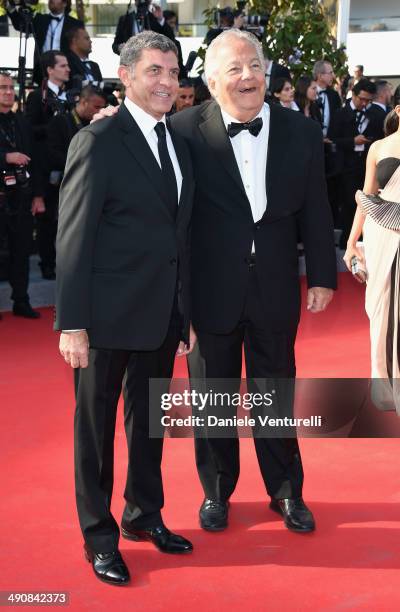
366, 100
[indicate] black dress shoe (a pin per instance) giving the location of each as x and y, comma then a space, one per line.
24, 309
108, 567
214, 515
296, 515
160, 536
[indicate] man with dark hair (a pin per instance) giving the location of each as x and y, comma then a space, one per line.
20, 194
354, 128
42, 104
50, 30
185, 97
382, 98
122, 298
83, 70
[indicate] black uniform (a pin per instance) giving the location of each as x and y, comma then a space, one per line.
19, 184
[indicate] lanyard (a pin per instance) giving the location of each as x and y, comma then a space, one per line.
53, 30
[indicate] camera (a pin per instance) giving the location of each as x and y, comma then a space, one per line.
142, 9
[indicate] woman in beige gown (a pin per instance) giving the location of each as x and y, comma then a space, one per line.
378, 219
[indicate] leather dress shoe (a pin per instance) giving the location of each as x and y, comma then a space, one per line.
160, 536
214, 515
24, 309
108, 567
297, 517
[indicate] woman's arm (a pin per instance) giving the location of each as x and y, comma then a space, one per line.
370, 186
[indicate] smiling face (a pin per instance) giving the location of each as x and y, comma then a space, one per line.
152, 83
238, 83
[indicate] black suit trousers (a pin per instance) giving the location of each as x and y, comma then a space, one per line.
98, 390
268, 355
351, 181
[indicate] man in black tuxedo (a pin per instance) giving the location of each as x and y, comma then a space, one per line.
62, 128
354, 128
259, 172
122, 298
50, 30
43, 103
134, 22
274, 71
329, 102
83, 70
20, 194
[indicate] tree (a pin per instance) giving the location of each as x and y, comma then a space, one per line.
298, 34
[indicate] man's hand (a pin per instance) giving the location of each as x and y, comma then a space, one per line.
360, 140
108, 111
318, 298
185, 349
74, 347
17, 159
38, 206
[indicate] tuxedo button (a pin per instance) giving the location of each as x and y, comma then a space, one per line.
257, 227
172, 261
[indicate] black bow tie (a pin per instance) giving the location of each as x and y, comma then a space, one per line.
322, 91
254, 127
55, 18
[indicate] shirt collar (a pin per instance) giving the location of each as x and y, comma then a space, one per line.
60, 16
227, 119
351, 104
146, 122
54, 88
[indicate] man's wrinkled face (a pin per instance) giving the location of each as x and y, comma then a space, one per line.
327, 77
7, 93
185, 98
153, 81
238, 84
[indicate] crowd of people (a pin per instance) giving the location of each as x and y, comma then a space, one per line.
70, 89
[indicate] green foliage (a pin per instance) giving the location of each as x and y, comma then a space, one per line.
298, 34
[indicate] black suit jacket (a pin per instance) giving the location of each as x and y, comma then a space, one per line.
41, 24
79, 71
60, 131
41, 105
118, 245
223, 228
343, 131
125, 28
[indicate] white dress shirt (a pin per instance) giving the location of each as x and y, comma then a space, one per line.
251, 157
146, 124
53, 36
361, 128
55, 89
326, 113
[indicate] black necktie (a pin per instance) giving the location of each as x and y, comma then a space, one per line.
254, 127
360, 116
167, 169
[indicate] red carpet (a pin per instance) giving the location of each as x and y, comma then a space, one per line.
353, 486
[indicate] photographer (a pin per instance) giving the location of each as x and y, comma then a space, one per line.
42, 105
50, 29
20, 195
146, 17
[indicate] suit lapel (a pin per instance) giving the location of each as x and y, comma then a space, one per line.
182, 155
214, 132
139, 148
278, 141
